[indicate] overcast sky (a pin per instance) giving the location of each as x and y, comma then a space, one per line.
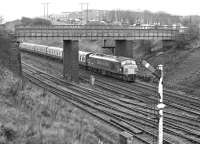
15, 9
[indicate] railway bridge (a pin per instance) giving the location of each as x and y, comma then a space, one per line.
71, 34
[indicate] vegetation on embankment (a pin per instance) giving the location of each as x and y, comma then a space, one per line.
31, 115
9, 52
181, 62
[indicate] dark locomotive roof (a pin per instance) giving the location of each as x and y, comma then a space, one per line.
111, 58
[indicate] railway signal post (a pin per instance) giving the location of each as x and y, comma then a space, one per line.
159, 74
160, 106
92, 80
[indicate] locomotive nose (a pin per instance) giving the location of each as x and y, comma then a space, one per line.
129, 69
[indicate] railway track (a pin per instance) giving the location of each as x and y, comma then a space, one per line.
187, 104
133, 94
183, 124
112, 108
83, 104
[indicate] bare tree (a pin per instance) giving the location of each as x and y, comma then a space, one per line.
1, 19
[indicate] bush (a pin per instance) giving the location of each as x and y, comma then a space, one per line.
145, 46
40, 21
187, 37
26, 21
35, 22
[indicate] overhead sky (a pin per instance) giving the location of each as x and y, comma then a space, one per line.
15, 9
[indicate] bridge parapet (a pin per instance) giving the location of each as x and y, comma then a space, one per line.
96, 32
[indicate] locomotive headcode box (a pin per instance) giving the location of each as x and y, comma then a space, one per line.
125, 138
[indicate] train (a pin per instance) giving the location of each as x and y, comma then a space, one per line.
115, 66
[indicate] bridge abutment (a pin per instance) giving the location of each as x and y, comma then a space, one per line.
123, 48
70, 60
166, 44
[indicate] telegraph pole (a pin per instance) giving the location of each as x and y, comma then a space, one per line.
116, 16
82, 11
1, 19
46, 9
87, 13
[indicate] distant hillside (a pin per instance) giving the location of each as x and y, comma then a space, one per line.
128, 17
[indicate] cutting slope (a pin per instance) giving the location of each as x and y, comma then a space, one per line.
182, 67
9, 52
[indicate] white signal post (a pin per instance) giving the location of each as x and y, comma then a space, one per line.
160, 106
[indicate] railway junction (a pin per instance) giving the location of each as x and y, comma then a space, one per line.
127, 73
125, 107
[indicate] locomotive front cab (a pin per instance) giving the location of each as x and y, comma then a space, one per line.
83, 56
129, 70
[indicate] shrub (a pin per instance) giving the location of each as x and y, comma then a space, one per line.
34, 22
145, 46
40, 21
190, 35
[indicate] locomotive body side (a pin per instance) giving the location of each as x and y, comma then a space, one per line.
104, 64
120, 67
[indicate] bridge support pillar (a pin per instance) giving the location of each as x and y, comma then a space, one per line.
70, 60
123, 48
167, 44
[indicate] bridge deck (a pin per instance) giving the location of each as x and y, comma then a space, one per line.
95, 32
